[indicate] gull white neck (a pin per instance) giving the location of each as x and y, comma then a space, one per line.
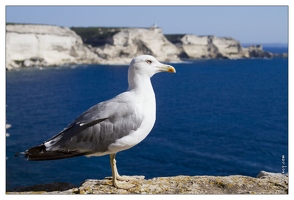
140, 83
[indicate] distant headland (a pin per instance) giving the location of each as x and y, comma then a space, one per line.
30, 45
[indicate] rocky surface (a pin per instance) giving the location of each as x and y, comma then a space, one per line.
212, 47
131, 42
44, 45
257, 52
199, 47
265, 183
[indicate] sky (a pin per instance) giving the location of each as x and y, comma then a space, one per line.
247, 24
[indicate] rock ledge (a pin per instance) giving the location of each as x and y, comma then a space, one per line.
265, 183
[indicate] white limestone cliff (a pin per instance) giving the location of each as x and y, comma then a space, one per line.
131, 42
44, 45
212, 47
197, 47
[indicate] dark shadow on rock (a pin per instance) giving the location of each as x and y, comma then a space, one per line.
47, 187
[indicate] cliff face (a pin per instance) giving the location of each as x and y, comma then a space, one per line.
43, 45
131, 42
212, 47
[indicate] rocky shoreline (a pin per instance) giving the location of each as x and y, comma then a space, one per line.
30, 45
264, 183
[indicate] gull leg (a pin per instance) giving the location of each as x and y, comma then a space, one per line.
116, 176
125, 178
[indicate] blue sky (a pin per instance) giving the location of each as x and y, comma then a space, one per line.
248, 24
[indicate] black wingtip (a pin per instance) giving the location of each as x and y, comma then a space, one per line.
39, 153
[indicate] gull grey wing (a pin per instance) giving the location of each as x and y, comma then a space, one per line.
96, 128
92, 116
86, 119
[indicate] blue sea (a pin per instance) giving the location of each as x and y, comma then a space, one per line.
214, 117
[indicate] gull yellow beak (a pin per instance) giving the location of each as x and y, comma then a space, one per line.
166, 68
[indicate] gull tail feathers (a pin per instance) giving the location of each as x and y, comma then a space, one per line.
39, 153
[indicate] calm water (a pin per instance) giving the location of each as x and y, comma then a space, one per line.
214, 117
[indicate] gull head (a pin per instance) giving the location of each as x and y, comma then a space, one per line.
148, 65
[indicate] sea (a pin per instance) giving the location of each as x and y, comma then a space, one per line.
214, 117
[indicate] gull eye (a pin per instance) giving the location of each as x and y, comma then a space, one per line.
148, 61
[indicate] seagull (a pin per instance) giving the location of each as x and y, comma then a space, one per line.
111, 126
